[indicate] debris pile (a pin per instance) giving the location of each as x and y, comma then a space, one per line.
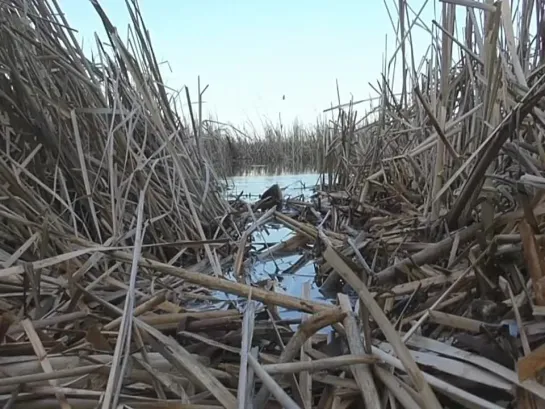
125, 277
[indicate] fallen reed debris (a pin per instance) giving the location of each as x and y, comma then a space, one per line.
127, 278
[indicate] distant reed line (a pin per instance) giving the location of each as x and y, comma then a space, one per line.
277, 150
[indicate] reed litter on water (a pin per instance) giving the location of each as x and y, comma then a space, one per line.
126, 276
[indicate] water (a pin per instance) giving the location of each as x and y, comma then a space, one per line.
255, 184
297, 186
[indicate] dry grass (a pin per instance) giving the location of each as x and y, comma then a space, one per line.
115, 239
444, 140
82, 139
441, 193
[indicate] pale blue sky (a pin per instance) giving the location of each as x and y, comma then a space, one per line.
251, 53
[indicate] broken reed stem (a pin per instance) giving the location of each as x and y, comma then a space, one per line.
123, 342
41, 353
305, 380
438, 302
46, 376
308, 328
437, 383
271, 385
442, 298
429, 255
429, 399
221, 284
246, 344
397, 388
319, 364
362, 373
146, 306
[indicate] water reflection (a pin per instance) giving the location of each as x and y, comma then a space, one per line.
293, 185
280, 270
271, 170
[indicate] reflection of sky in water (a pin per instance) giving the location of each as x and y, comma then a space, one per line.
255, 185
287, 283
273, 234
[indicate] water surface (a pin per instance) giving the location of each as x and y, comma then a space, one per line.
255, 184
297, 186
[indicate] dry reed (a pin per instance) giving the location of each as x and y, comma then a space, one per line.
276, 149
115, 237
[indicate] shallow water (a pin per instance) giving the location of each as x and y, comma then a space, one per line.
297, 186
254, 185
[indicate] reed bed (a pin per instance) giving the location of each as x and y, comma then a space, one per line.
126, 277
277, 148
441, 193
